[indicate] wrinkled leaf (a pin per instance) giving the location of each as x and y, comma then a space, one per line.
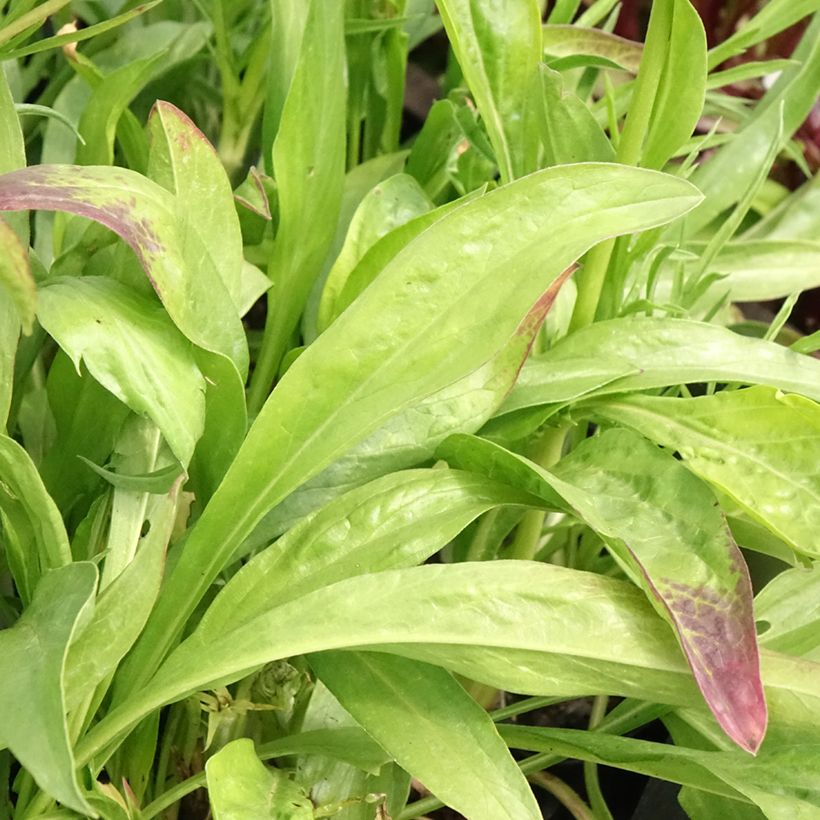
758, 446
394, 346
662, 521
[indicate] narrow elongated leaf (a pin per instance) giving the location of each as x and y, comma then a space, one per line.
12, 152
411, 437
35, 536
131, 348
394, 347
158, 481
121, 610
662, 521
783, 782
797, 217
308, 163
32, 657
498, 46
144, 215
639, 353
758, 270
396, 521
678, 101
569, 131
727, 175
433, 729
241, 786
758, 446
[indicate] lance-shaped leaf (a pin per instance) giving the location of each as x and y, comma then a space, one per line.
35, 539
144, 215
640, 353
757, 445
423, 325
131, 348
433, 729
498, 46
783, 782
32, 656
308, 161
663, 523
241, 786
398, 520
411, 437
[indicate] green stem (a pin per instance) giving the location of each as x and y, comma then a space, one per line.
480, 548
630, 145
564, 794
528, 533
274, 345
591, 781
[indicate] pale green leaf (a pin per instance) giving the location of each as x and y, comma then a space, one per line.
131, 347
32, 657
433, 729
760, 447
240, 786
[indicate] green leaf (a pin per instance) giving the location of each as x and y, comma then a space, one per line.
760, 447
308, 161
662, 522
108, 102
186, 164
433, 729
759, 270
144, 215
121, 609
570, 41
83, 34
398, 520
394, 347
241, 786
32, 657
498, 46
726, 176
783, 782
641, 353
789, 609
678, 102
569, 131
390, 204
35, 536
130, 346
159, 481
12, 152
797, 217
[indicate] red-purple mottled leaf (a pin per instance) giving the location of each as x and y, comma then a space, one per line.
663, 525
144, 215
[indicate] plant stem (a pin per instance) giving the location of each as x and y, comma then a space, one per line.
565, 795
528, 533
630, 145
523, 706
593, 785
